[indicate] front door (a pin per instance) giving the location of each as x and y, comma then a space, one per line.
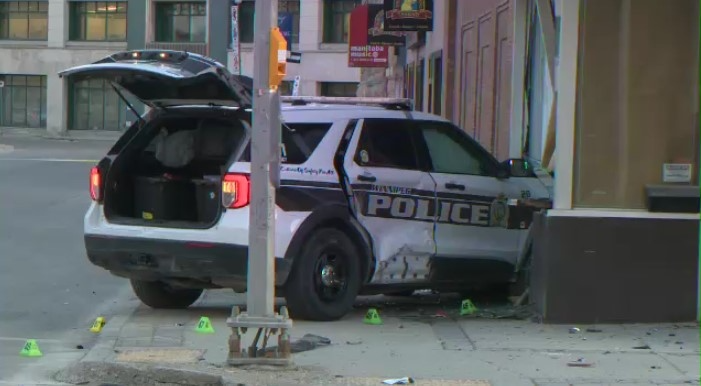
472, 200
394, 199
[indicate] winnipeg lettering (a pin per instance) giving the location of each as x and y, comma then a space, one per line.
459, 213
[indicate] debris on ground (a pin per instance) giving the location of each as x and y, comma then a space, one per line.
593, 330
307, 343
354, 342
574, 330
580, 363
398, 381
643, 347
504, 311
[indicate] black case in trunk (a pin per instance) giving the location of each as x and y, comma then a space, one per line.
159, 198
207, 193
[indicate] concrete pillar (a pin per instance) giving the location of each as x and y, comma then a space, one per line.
518, 73
56, 104
137, 15
58, 23
219, 16
566, 104
310, 25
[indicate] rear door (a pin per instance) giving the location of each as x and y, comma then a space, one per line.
168, 78
393, 199
472, 201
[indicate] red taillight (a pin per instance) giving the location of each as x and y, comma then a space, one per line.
95, 184
236, 190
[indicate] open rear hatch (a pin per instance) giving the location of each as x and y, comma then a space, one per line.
138, 187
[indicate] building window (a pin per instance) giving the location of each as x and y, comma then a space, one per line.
24, 20
339, 89
98, 21
181, 22
286, 87
632, 120
96, 106
246, 24
23, 101
337, 20
435, 84
419, 96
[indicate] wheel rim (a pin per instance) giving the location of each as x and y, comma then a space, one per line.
330, 276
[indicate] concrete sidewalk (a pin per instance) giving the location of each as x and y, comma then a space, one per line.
422, 337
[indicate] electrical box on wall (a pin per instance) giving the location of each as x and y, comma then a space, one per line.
672, 198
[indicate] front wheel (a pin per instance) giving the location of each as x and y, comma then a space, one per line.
157, 294
325, 278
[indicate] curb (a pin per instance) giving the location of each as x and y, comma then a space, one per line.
71, 135
134, 375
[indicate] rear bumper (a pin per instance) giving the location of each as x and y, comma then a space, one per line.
155, 259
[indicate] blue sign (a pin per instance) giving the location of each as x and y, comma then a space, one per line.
284, 22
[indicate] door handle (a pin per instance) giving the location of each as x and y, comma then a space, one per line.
453, 186
366, 178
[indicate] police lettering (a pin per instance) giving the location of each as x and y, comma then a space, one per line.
413, 208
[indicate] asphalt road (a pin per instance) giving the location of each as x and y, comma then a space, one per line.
48, 289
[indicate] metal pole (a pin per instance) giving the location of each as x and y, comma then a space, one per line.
265, 148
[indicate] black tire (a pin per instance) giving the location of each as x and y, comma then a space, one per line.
325, 277
157, 294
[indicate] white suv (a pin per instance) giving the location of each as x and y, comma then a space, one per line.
372, 199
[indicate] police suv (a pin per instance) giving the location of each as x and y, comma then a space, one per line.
373, 197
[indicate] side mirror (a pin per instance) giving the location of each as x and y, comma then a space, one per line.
517, 167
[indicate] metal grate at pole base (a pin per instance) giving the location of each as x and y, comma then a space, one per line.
279, 325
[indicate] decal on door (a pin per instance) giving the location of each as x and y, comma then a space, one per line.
402, 203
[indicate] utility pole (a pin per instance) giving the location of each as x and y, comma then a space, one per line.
269, 63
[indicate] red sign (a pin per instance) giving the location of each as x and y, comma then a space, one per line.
360, 53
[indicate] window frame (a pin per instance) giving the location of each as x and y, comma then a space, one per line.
42, 8
123, 114
8, 90
77, 15
283, 6
324, 88
328, 13
491, 164
406, 124
162, 13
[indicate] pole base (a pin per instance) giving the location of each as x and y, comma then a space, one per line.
279, 325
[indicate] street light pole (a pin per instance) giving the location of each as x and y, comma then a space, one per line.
265, 168
266, 124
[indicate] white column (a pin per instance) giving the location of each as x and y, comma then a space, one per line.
310, 24
566, 86
518, 71
58, 23
56, 105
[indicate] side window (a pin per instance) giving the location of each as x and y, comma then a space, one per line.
386, 143
450, 152
299, 140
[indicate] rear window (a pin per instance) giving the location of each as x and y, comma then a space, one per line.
299, 140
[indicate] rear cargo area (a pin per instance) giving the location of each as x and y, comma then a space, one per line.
170, 175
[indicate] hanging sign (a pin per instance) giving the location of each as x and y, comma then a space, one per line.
408, 15
376, 28
360, 53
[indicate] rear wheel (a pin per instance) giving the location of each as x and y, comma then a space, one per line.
157, 294
325, 278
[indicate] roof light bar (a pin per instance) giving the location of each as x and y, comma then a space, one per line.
390, 103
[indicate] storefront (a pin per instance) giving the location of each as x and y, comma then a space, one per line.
602, 94
622, 241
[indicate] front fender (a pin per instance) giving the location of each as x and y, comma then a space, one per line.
338, 216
